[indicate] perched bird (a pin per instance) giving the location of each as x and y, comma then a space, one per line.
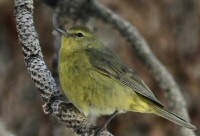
98, 83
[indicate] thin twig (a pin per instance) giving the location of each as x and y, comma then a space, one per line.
65, 112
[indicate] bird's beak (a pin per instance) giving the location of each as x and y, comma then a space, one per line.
62, 32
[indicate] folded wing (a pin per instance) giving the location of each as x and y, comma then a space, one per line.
107, 63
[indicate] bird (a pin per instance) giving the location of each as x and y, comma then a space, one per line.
98, 83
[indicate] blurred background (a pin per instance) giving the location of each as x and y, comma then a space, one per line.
172, 29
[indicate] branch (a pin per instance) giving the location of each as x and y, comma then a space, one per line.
42, 77
161, 74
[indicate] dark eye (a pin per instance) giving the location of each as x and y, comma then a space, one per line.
79, 34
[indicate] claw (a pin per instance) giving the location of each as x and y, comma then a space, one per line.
47, 108
99, 130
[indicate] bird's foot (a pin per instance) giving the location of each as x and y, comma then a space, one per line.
99, 130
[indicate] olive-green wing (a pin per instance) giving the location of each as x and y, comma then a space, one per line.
108, 64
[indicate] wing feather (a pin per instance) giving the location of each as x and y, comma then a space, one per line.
107, 63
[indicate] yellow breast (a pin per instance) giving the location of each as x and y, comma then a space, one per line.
91, 91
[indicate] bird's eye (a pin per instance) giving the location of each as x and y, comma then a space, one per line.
79, 34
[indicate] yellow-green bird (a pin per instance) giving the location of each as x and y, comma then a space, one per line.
98, 83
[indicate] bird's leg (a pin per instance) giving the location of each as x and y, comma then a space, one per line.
107, 122
109, 119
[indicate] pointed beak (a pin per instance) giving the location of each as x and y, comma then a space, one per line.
62, 32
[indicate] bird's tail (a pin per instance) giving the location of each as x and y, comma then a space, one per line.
172, 117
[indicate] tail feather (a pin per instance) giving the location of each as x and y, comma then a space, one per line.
173, 117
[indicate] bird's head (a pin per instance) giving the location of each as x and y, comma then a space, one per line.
78, 37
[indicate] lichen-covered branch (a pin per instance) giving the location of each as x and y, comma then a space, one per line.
42, 77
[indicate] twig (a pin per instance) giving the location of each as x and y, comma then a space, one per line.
42, 77
161, 74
